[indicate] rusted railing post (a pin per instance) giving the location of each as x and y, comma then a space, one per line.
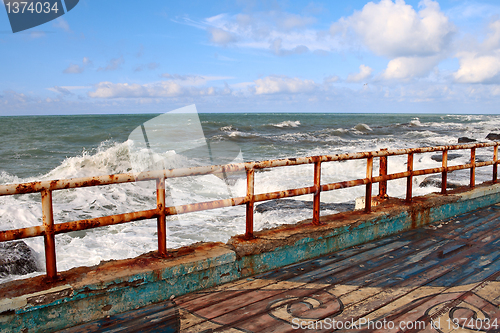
409, 179
473, 168
317, 185
250, 203
369, 174
161, 219
49, 237
382, 186
495, 165
444, 174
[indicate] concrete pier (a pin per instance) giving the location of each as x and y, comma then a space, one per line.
112, 288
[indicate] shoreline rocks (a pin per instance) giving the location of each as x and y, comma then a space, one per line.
439, 157
493, 137
16, 258
465, 139
436, 181
281, 204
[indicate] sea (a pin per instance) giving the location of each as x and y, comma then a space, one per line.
59, 147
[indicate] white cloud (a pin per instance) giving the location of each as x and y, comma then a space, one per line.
188, 85
414, 41
125, 90
476, 68
395, 29
282, 33
283, 84
390, 28
492, 41
482, 63
408, 67
364, 73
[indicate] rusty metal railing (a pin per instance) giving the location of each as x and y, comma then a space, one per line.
49, 229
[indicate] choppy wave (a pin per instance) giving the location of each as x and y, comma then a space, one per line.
415, 122
228, 128
287, 123
234, 132
363, 128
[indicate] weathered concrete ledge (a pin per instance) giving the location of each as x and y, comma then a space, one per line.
89, 293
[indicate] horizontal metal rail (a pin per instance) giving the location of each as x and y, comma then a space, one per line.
49, 229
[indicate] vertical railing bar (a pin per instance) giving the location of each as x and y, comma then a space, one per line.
473, 168
161, 219
49, 237
250, 203
382, 186
444, 174
369, 174
495, 165
317, 185
409, 179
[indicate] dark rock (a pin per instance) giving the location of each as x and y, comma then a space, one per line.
281, 204
436, 181
16, 258
439, 157
493, 137
465, 139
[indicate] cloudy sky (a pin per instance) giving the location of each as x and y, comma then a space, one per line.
120, 56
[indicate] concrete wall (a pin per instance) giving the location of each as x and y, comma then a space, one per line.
89, 293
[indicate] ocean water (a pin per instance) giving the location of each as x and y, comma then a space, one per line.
58, 147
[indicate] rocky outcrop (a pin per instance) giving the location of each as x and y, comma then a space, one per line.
281, 204
16, 258
493, 137
439, 157
465, 139
436, 181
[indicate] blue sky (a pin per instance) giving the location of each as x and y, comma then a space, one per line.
120, 56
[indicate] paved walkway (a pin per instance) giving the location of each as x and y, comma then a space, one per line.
442, 278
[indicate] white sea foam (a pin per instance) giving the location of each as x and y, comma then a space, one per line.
228, 128
288, 123
340, 131
415, 122
236, 133
363, 128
